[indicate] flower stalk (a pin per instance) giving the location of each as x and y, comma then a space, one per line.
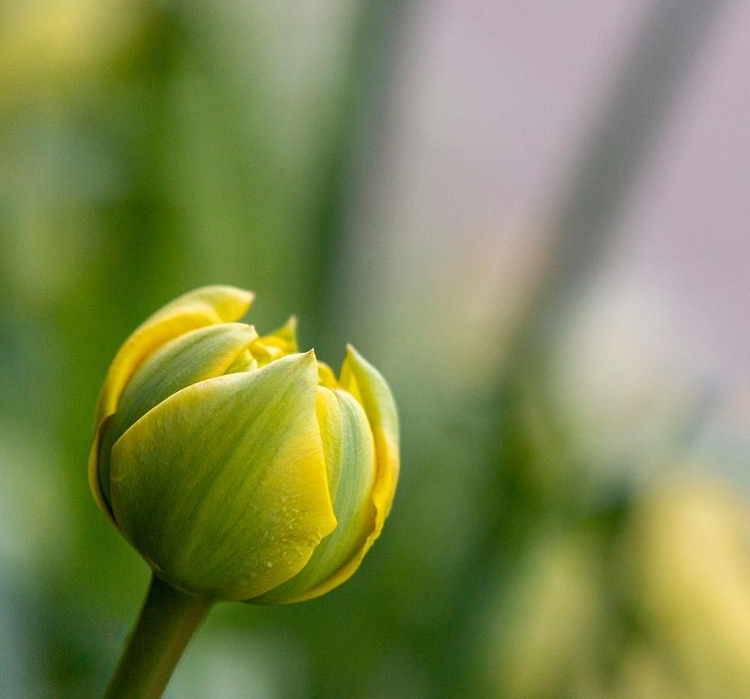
239, 467
165, 626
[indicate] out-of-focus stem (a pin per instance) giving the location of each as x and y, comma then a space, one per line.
612, 158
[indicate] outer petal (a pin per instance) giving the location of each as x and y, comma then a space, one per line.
368, 386
196, 309
195, 356
350, 462
222, 487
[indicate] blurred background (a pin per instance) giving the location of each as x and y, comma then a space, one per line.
532, 217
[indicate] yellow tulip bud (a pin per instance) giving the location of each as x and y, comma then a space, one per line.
238, 467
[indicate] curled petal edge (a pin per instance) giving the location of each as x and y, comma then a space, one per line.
199, 308
368, 386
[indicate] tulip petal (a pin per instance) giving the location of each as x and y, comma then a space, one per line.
195, 356
285, 337
244, 362
208, 305
326, 377
367, 385
277, 344
224, 483
196, 309
350, 463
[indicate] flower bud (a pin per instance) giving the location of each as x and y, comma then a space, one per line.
238, 467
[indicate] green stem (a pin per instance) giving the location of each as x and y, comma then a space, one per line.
166, 623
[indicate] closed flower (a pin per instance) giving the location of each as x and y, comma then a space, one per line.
238, 467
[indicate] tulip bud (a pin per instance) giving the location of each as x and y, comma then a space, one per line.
236, 466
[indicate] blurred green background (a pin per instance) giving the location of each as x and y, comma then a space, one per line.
572, 519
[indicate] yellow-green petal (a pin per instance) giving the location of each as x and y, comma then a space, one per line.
195, 356
326, 377
239, 499
277, 344
244, 362
208, 305
369, 387
285, 337
350, 463
205, 306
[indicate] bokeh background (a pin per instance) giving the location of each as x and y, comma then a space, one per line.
532, 217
